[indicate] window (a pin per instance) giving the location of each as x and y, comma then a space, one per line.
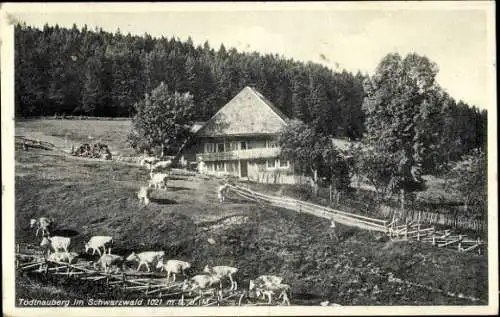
271, 164
277, 164
243, 145
284, 164
220, 147
209, 147
219, 166
271, 143
233, 146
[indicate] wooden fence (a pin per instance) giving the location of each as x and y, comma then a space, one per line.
279, 178
394, 229
316, 210
153, 285
21, 141
434, 218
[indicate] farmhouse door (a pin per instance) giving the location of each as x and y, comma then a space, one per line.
243, 168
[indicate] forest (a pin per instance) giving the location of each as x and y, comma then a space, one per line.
60, 71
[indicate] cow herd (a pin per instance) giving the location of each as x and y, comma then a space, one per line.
58, 250
158, 173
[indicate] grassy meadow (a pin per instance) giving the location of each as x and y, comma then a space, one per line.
64, 133
99, 198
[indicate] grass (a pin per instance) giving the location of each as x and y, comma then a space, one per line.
99, 198
64, 133
435, 199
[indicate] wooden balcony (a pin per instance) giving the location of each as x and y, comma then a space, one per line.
239, 154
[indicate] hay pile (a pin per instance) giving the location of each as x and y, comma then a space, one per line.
98, 150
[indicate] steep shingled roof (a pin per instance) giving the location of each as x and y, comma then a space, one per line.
247, 113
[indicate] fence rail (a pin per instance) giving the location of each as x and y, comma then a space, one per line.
26, 143
394, 229
435, 218
316, 210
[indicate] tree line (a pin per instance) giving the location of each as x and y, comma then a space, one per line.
97, 73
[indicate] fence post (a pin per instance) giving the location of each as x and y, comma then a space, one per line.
460, 243
330, 193
433, 238
396, 228
406, 229
123, 281
418, 232
402, 193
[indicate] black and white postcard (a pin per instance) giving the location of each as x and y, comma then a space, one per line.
255, 158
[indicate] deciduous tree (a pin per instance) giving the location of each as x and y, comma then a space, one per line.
162, 119
469, 177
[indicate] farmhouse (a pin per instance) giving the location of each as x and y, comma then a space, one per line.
241, 140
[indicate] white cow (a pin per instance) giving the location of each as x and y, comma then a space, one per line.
106, 261
63, 257
200, 282
97, 242
56, 243
270, 285
146, 258
173, 267
281, 289
42, 223
222, 272
158, 180
143, 195
148, 161
162, 165
221, 192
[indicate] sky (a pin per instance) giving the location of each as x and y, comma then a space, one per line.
350, 36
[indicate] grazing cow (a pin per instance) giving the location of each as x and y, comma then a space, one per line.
43, 223
283, 290
70, 257
55, 243
262, 282
146, 258
200, 282
97, 242
143, 195
107, 261
173, 267
270, 285
332, 230
162, 165
148, 161
222, 272
158, 180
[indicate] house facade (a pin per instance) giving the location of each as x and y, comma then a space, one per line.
241, 140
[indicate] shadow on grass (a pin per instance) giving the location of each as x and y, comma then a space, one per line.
237, 200
65, 233
163, 201
177, 178
174, 188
